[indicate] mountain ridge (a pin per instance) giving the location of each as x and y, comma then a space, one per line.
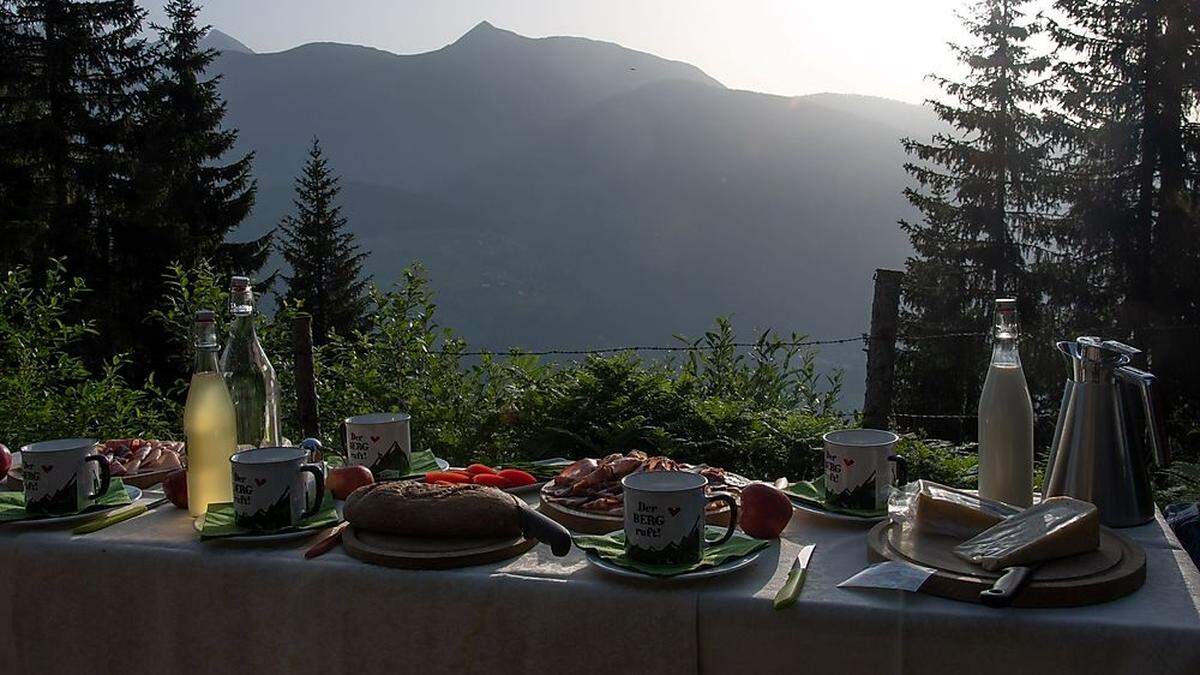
561, 197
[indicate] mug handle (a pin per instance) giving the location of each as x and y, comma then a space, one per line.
319, 479
901, 469
105, 474
733, 516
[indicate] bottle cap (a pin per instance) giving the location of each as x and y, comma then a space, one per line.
1006, 304
206, 316
239, 283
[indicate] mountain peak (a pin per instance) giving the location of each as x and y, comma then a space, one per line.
484, 33
223, 42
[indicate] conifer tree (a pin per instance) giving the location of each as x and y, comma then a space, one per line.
1126, 121
194, 201
185, 198
984, 214
69, 78
326, 264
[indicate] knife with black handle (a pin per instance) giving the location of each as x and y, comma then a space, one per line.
538, 526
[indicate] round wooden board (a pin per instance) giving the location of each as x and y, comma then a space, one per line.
430, 554
1117, 569
593, 523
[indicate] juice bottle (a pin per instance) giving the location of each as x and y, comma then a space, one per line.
209, 424
1006, 418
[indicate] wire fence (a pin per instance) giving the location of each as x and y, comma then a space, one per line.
864, 338
684, 347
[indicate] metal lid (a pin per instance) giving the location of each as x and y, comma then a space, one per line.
239, 283
206, 316
1006, 304
1094, 358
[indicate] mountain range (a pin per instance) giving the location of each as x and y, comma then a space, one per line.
566, 192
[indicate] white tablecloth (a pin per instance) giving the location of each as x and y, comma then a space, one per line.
145, 596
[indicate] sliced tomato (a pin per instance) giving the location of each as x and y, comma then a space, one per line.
476, 469
447, 476
491, 480
517, 477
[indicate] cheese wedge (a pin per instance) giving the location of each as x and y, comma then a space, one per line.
942, 510
1056, 528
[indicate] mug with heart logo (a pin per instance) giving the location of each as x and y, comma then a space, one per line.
664, 517
379, 441
62, 476
270, 488
860, 467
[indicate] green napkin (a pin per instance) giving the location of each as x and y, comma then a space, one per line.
421, 462
813, 492
611, 547
221, 521
12, 504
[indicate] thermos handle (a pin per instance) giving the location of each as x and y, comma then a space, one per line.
1150, 408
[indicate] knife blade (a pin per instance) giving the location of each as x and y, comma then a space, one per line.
786, 596
120, 515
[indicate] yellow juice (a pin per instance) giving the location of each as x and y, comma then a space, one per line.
211, 430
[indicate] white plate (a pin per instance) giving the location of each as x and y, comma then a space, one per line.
809, 507
705, 573
134, 495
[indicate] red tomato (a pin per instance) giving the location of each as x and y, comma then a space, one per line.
491, 480
447, 476
476, 469
517, 477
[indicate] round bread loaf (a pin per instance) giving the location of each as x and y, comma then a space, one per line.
414, 509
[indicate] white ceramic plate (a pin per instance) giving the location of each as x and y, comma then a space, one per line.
809, 507
708, 572
134, 495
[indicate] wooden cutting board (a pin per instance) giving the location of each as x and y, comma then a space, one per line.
430, 554
1117, 568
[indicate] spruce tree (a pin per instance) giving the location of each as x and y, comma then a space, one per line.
1126, 121
193, 198
326, 264
69, 83
985, 216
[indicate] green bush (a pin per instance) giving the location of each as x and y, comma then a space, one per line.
46, 391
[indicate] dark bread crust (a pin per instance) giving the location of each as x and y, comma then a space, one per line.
415, 509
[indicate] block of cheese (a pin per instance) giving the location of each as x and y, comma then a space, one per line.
1056, 528
942, 510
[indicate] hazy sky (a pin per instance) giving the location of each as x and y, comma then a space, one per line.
879, 47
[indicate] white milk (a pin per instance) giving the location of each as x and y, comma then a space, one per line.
1006, 437
1006, 419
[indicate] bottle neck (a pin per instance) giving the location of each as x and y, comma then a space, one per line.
206, 360
243, 322
1004, 340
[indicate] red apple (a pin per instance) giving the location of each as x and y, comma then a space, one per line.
342, 481
765, 511
5, 461
175, 488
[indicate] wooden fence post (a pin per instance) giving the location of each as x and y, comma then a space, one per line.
306, 383
881, 349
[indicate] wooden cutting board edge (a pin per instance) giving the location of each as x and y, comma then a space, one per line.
1115, 582
429, 560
